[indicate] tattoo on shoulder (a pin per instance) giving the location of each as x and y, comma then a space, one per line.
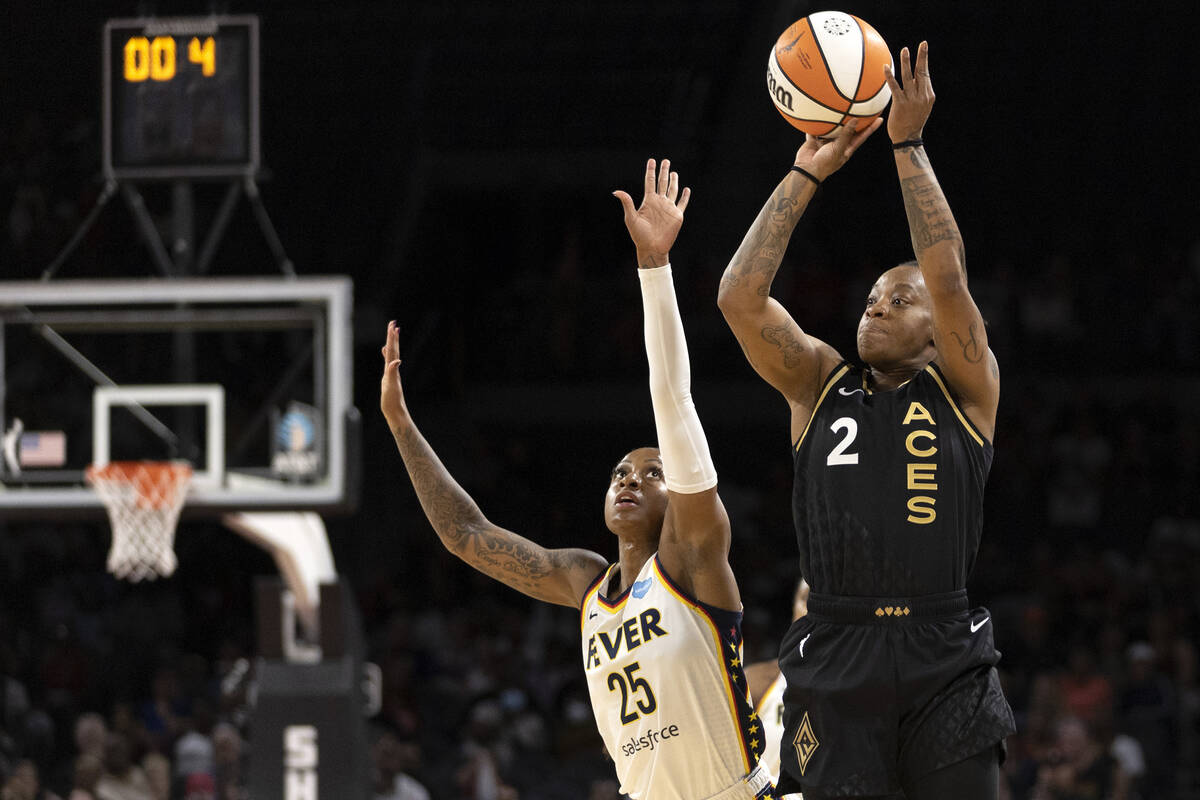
790, 347
972, 352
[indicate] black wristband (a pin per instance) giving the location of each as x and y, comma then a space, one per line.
908, 143
806, 174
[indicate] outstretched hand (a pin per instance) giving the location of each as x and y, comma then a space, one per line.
912, 102
391, 393
654, 225
823, 157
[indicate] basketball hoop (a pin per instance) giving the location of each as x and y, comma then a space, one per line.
143, 499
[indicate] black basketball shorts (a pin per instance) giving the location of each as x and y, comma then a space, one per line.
881, 691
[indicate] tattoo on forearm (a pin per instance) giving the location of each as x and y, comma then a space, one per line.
790, 347
972, 352
929, 217
757, 259
919, 158
461, 525
450, 510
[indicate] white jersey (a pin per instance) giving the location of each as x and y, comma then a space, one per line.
769, 709
665, 676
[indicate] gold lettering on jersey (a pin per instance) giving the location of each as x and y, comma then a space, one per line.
805, 742
917, 411
921, 452
923, 506
922, 475
632, 634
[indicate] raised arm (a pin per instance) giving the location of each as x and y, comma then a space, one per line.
779, 351
556, 576
958, 329
694, 545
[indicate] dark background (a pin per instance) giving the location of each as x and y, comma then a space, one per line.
457, 160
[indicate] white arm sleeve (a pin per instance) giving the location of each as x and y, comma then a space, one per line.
687, 465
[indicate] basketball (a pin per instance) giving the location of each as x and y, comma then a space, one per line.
827, 69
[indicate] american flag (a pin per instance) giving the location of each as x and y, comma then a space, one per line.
43, 449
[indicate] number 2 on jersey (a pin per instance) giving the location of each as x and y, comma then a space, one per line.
630, 685
838, 455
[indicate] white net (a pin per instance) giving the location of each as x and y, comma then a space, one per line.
143, 499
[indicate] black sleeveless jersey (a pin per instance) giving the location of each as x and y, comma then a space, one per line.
888, 491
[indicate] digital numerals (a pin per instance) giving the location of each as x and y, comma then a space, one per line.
203, 53
154, 59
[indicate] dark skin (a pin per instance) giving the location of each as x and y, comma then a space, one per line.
913, 316
690, 532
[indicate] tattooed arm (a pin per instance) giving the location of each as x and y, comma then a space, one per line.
556, 576
958, 330
779, 351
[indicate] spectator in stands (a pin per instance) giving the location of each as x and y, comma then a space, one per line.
158, 774
1147, 709
88, 770
228, 767
1085, 692
200, 786
1079, 768
91, 732
25, 783
165, 714
122, 779
394, 760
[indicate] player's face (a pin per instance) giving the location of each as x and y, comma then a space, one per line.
897, 324
636, 502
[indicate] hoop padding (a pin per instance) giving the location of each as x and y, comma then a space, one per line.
143, 499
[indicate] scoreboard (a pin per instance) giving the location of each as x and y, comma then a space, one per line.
181, 97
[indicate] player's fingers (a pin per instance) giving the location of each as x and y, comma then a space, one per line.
673, 187
923, 62
906, 74
626, 204
683, 200
389, 347
890, 77
861, 135
841, 139
664, 175
648, 183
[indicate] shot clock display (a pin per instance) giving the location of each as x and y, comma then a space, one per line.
181, 97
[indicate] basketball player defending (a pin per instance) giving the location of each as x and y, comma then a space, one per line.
891, 680
662, 626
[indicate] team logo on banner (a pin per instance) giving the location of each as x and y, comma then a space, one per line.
806, 742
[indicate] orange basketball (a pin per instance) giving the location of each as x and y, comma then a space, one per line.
827, 69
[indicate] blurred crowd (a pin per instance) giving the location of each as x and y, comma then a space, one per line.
1091, 549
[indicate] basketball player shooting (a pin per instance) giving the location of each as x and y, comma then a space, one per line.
662, 625
891, 679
